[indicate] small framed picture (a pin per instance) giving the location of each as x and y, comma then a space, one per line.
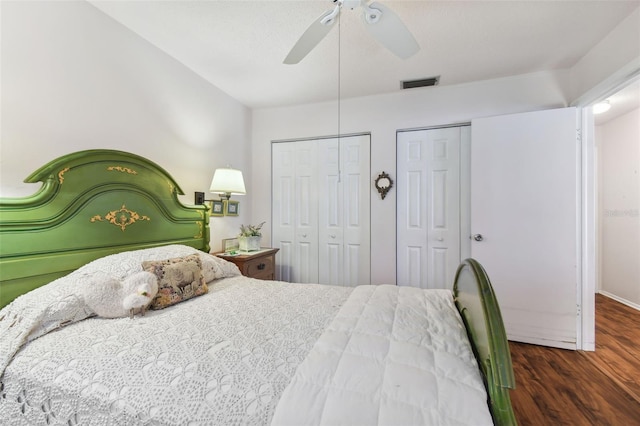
231, 208
230, 245
217, 208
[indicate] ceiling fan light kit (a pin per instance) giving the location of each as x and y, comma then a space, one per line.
381, 22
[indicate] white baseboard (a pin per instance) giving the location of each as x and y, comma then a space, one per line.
620, 299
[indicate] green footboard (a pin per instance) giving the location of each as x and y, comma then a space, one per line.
91, 204
477, 304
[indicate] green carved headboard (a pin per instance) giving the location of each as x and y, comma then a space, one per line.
91, 204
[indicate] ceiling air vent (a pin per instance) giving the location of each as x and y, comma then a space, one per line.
424, 82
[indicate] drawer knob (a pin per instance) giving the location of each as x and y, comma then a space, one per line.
261, 266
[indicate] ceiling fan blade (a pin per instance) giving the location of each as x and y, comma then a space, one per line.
312, 36
386, 27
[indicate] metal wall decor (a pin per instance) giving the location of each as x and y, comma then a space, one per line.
383, 184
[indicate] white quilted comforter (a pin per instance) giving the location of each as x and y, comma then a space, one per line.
392, 356
370, 355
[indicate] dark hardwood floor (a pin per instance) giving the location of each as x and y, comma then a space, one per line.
563, 387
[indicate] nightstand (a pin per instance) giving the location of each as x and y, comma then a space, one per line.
260, 264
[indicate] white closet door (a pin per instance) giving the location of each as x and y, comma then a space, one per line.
356, 172
345, 225
306, 267
295, 210
282, 214
321, 210
331, 214
428, 207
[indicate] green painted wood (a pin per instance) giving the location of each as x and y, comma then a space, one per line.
92, 203
478, 307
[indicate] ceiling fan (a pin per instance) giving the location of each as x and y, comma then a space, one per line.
381, 22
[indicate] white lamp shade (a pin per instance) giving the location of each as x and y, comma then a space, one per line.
228, 181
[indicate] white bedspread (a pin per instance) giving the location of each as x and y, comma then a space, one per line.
223, 358
392, 356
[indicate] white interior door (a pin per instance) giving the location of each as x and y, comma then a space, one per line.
524, 217
428, 207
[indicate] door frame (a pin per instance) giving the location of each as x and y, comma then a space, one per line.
589, 199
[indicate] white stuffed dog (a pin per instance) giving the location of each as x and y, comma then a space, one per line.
112, 298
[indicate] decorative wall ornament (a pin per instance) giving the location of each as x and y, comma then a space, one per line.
61, 174
122, 169
383, 184
123, 218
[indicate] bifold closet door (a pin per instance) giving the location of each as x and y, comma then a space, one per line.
321, 210
295, 210
428, 206
344, 211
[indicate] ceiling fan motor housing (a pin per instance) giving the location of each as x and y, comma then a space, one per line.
351, 4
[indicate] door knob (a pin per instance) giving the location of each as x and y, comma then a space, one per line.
478, 237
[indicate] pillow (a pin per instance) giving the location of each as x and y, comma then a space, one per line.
214, 267
179, 279
121, 265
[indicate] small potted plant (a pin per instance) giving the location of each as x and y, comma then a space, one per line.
250, 236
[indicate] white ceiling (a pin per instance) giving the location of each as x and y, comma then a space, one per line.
239, 45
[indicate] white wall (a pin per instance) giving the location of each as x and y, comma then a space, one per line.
382, 116
74, 79
619, 213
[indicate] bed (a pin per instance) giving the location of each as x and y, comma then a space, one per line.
244, 351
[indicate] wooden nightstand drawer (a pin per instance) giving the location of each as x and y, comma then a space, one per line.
260, 264
263, 267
